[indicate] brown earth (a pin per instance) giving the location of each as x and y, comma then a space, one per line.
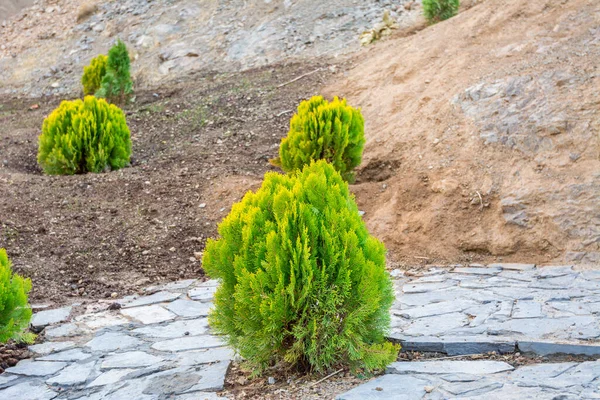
197, 148
483, 135
10, 7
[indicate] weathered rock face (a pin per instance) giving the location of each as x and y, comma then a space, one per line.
46, 46
10, 7
512, 119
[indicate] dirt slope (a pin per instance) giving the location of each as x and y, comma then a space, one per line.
483, 134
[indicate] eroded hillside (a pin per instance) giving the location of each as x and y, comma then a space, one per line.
483, 134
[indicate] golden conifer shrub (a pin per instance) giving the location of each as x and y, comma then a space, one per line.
82, 136
93, 74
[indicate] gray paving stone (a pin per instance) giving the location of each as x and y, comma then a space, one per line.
49, 317
433, 326
213, 378
112, 341
149, 314
388, 387
61, 331
6, 380
431, 310
102, 320
427, 286
203, 293
209, 283
188, 343
50, 347
456, 345
553, 271
175, 286
67, 356
513, 267
36, 368
449, 367
548, 348
111, 376
198, 357
130, 390
200, 396
132, 359
74, 374
193, 327
476, 388
175, 381
189, 308
155, 298
527, 309
32, 390
477, 271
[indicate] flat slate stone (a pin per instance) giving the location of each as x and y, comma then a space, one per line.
188, 343
112, 341
388, 387
189, 308
203, 293
74, 374
425, 287
476, 388
50, 347
456, 345
49, 317
149, 314
527, 309
67, 356
36, 368
110, 376
477, 271
192, 327
102, 320
449, 367
132, 359
547, 348
65, 330
198, 357
177, 285
6, 380
209, 283
29, 391
160, 297
431, 310
213, 378
513, 267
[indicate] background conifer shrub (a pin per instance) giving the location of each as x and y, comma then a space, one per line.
84, 136
322, 130
116, 84
440, 10
302, 281
93, 74
15, 312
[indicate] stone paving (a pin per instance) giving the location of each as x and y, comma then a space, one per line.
159, 346
155, 347
499, 307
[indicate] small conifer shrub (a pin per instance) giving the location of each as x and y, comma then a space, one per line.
93, 74
116, 84
440, 10
82, 136
15, 312
322, 130
302, 281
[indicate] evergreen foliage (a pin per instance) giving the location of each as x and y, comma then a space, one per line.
15, 312
116, 84
93, 74
84, 136
302, 281
323, 130
440, 10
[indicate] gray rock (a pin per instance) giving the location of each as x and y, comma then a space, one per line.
547, 348
449, 367
477, 271
132, 359
102, 320
527, 309
49, 317
159, 297
110, 377
65, 330
198, 357
213, 378
112, 341
193, 327
476, 388
188, 343
33, 391
513, 267
435, 309
189, 308
50, 347
149, 314
36, 368
203, 293
67, 356
6, 380
388, 387
74, 374
456, 345
412, 287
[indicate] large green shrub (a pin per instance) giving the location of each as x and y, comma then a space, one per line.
15, 312
116, 84
324, 131
302, 281
84, 136
440, 10
93, 74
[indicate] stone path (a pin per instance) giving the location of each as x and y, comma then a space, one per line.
159, 346
155, 347
500, 307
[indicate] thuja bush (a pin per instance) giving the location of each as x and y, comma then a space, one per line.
322, 130
84, 136
15, 312
440, 10
93, 74
116, 84
302, 281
